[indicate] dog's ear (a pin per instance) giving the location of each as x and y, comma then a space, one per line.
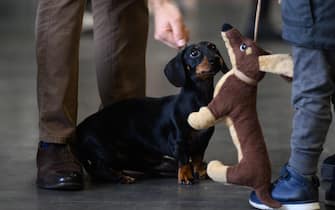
224, 68
175, 71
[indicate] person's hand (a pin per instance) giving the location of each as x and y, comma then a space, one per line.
169, 24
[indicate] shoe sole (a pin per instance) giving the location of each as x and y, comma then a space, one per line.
327, 172
62, 186
304, 206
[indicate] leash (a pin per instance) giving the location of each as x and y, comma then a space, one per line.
258, 13
240, 75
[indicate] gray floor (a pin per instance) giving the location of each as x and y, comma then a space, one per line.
18, 119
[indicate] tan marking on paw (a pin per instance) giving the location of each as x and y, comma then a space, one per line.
185, 175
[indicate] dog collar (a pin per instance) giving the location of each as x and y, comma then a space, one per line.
240, 75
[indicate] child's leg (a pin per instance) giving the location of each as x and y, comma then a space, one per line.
313, 86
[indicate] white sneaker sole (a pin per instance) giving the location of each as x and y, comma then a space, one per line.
304, 206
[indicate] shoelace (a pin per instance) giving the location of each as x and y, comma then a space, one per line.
281, 178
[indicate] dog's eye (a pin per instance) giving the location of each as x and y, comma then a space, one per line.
212, 46
195, 53
243, 47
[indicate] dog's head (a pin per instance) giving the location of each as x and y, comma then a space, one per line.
197, 62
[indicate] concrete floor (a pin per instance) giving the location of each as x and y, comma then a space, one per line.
18, 119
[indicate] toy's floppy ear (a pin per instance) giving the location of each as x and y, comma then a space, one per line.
175, 71
281, 64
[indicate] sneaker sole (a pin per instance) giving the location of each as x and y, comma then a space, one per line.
304, 206
327, 172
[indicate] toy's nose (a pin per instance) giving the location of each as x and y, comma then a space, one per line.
226, 27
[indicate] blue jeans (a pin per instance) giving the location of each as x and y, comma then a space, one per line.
312, 93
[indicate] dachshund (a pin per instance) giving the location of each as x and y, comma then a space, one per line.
137, 134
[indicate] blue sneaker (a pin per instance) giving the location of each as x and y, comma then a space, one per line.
328, 168
330, 193
293, 191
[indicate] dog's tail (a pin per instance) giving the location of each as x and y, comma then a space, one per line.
91, 154
84, 148
94, 159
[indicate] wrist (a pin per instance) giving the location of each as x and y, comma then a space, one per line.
158, 4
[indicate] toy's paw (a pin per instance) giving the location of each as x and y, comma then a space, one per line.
217, 171
202, 119
185, 175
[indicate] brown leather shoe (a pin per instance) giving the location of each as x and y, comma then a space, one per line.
58, 168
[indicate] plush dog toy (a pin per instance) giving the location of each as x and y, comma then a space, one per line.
234, 103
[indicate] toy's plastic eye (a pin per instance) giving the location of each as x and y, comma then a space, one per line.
195, 53
211, 46
243, 47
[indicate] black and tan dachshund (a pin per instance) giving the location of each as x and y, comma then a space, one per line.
136, 134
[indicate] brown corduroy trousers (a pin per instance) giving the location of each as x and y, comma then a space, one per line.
120, 36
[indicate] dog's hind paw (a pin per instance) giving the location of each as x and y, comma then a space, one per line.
124, 179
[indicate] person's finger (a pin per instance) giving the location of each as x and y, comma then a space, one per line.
179, 33
167, 39
184, 42
170, 44
166, 36
187, 34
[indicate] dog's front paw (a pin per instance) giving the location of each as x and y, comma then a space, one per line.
185, 175
200, 172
